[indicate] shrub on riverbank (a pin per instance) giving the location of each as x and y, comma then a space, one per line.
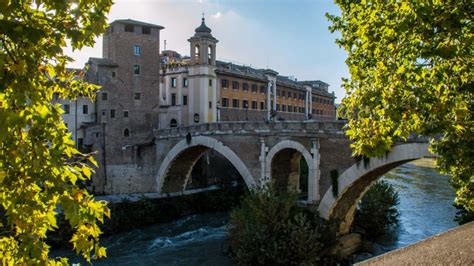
377, 210
268, 228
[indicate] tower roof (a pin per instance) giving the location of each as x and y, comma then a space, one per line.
203, 31
138, 23
203, 28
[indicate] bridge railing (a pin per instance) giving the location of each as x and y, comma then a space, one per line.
253, 126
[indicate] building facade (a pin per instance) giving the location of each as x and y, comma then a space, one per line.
143, 89
201, 89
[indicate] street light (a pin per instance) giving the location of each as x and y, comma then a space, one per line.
246, 106
218, 107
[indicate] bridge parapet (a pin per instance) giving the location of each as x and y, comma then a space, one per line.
257, 127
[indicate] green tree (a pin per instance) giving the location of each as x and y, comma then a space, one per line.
39, 167
411, 68
269, 229
377, 210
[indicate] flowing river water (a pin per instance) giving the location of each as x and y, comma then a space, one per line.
425, 210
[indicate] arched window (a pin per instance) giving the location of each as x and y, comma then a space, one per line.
126, 132
196, 52
173, 123
209, 53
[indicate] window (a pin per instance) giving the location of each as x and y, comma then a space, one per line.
210, 105
185, 82
294, 95
146, 30
185, 99
245, 104
278, 92
278, 107
66, 108
85, 109
263, 89
290, 108
113, 74
254, 88
245, 87
209, 53
173, 123
225, 102
129, 28
137, 96
210, 82
137, 50
126, 132
313, 99
136, 69
224, 84
196, 52
283, 94
125, 114
262, 105
112, 113
283, 108
104, 96
235, 103
235, 85
313, 111
173, 99
103, 112
174, 83
254, 105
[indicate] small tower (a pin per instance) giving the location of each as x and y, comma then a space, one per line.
202, 76
203, 46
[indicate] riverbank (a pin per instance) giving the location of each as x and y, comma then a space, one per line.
454, 246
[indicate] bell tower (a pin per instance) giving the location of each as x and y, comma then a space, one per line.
202, 76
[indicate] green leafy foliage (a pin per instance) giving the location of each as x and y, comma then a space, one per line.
377, 210
39, 167
410, 65
269, 229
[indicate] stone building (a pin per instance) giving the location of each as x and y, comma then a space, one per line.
143, 90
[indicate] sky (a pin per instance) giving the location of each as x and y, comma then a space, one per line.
289, 36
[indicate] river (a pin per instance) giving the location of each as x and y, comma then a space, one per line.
425, 210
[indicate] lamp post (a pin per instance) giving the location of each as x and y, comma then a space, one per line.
218, 107
246, 106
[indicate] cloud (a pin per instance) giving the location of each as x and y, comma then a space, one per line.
217, 15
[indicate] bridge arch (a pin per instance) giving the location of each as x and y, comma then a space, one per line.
290, 145
176, 168
354, 182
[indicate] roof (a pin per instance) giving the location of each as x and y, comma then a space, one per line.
203, 28
203, 31
260, 74
103, 62
136, 22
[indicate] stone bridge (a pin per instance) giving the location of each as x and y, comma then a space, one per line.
263, 152
259, 151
